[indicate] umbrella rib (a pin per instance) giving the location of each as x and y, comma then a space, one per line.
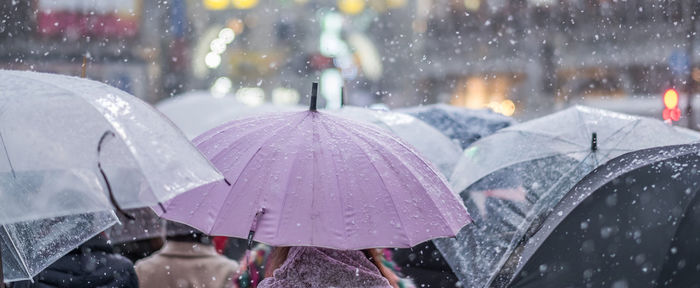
396, 140
207, 136
14, 246
12, 169
415, 176
675, 230
284, 196
354, 134
223, 150
337, 181
228, 196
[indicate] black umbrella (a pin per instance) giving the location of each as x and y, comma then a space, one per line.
633, 222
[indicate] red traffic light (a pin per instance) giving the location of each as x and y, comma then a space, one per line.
671, 98
672, 114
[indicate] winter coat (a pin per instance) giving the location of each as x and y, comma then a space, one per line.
188, 265
93, 264
315, 267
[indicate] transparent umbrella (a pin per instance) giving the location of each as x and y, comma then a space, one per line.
66, 143
512, 179
429, 142
29, 247
196, 112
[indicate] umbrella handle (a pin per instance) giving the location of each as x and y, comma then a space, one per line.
254, 226
104, 176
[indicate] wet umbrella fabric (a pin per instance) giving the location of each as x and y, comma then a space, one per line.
424, 262
145, 225
320, 180
197, 112
51, 127
433, 145
460, 124
512, 179
637, 217
29, 247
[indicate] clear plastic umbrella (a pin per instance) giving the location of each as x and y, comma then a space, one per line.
29, 247
512, 179
429, 142
65, 142
196, 112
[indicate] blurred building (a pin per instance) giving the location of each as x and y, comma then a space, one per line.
514, 56
128, 43
543, 53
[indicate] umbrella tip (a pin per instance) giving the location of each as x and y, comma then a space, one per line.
342, 96
594, 141
314, 93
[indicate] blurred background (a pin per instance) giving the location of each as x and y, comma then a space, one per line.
521, 58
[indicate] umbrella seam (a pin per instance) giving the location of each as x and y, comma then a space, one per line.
440, 180
337, 180
289, 180
78, 93
527, 224
354, 135
228, 195
400, 142
19, 255
607, 178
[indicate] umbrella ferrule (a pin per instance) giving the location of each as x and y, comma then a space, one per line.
314, 96
594, 142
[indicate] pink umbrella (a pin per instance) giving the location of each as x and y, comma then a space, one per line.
313, 179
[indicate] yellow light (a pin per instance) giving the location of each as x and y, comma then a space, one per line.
472, 5
395, 3
244, 4
507, 107
215, 4
351, 7
671, 98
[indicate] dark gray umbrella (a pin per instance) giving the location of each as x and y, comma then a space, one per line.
633, 222
460, 124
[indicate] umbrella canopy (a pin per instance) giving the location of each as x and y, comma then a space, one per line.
313, 179
145, 225
514, 177
65, 141
460, 124
29, 247
197, 112
429, 142
637, 217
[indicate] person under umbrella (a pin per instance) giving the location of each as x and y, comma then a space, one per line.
93, 264
188, 259
72, 146
326, 186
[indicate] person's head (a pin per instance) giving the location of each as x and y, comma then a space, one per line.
182, 233
279, 255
